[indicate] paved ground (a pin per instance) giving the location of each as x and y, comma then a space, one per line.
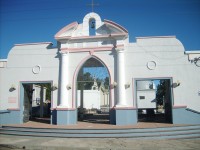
87, 125
8, 142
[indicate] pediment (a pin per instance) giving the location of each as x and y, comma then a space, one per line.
110, 27
67, 31
105, 29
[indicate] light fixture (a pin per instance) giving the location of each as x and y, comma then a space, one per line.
176, 84
113, 85
12, 88
54, 87
68, 86
127, 85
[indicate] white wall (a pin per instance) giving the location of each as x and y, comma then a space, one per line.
168, 54
21, 60
149, 99
91, 99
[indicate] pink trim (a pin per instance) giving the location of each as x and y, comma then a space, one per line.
65, 109
76, 73
91, 52
63, 37
63, 30
151, 37
88, 49
14, 109
180, 106
124, 108
115, 25
39, 43
91, 37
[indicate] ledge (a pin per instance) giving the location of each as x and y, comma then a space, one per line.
4, 111
180, 106
123, 108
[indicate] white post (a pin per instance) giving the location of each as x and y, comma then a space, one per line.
64, 80
121, 97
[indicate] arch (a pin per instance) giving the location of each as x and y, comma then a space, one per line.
86, 20
92, 27
75, 76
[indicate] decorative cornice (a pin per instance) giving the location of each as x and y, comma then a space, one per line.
151, 37
63, 30
91, 37
93, 49
111, 23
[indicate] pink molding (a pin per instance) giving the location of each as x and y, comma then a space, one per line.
88, 49
71, 25
14, 109
39, 43
63, 37
111, 23
108, 48
91, 37
180, 106
150, 37
76, 74
91, 52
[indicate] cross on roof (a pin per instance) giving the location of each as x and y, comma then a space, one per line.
92, 5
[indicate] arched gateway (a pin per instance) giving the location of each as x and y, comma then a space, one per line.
107, 46
152, 79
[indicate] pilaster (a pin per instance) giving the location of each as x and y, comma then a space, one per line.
63, 92
121, 97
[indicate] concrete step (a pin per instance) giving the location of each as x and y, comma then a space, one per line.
145, 133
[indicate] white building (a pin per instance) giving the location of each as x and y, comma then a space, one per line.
146, 95
147, 59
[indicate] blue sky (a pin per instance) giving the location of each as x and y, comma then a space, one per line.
25, 21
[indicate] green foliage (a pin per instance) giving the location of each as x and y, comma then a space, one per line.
86, 82
106, 83
161, 91
48, 89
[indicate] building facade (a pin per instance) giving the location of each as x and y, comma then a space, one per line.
106, 42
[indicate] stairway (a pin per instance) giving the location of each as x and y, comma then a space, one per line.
175, 132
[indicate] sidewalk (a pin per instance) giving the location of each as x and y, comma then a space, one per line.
8, 142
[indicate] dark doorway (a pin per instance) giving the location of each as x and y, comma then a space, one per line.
154, 100
37, 102
93, 94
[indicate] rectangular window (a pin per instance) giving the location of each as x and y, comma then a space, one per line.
142, 97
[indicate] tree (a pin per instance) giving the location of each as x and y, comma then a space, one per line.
48, 89
85, 81
161, 91
106, 83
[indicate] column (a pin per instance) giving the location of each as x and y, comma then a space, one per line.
121, 97
64, 80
